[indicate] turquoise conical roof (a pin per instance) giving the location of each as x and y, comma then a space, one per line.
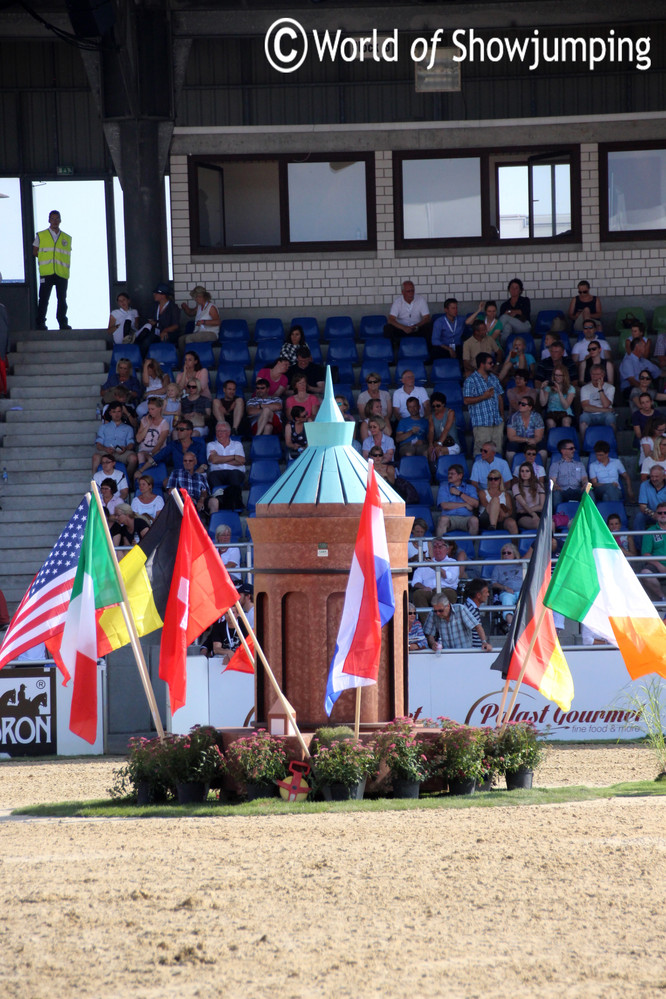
330, 470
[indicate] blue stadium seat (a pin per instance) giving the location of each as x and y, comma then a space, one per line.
414, 466
599, 433
490, 546
378, 348
126, 350
264, 470
158, 473
268, 329
568, 508
164, 354
226, 517
413, 348
544, 320
526, 541
444, 463
266, 446
234, 352
339, 328
607, 507
267, 353
424, 512
453, 392
445, 369
342, 351
310, 328
315, 350
557, 434
229, 371
424, 490
234, 329
204, 352
256, 492
371, 326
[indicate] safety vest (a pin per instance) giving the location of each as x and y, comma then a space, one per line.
53, 258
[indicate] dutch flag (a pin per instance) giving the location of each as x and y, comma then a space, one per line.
369, 603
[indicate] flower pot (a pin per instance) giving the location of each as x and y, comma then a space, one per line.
405, 788
343, 792
519, 780
191, 792
144, 792
261, 789
485, 785
466, 785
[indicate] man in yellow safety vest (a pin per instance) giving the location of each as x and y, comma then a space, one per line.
53, 249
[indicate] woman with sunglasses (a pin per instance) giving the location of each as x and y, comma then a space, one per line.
415, 636
374, 391
442, 430
507, 579
529, 497
524, 428
657, 456
595, 358
496, 507
192, 369
382, 466
584, 306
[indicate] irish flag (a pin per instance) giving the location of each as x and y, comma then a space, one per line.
95, 586
593, 583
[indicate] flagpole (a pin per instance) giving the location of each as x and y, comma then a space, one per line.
357, 716
503, 701
260, 652
129, 620
524, 667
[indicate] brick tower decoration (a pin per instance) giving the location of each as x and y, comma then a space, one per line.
304, 534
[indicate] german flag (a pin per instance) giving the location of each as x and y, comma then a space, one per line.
547, 669
147, 571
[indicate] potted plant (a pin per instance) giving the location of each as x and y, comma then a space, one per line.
258, 761
342, 768
144, 775
405, 756
521, 750
492, 763
460, 757
192, 761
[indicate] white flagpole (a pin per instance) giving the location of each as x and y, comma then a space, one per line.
129, 620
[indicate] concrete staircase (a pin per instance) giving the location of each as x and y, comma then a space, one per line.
47, 440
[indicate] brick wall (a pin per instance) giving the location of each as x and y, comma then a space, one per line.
359, 283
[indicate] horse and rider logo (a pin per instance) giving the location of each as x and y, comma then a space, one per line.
27, 713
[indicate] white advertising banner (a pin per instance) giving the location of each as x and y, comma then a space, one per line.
461, 686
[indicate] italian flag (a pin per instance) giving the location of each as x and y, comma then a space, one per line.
593, 583
95, 586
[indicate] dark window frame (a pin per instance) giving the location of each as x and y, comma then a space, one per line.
626, 235
521, 156
286, 246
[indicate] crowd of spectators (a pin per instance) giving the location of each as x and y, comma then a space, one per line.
468, 443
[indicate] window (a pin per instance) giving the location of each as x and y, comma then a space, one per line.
633, 191
241, 205
482, 197
11, 226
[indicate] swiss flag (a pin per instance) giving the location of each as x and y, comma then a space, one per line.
201, 592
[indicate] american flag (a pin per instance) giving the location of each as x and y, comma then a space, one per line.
41, 614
